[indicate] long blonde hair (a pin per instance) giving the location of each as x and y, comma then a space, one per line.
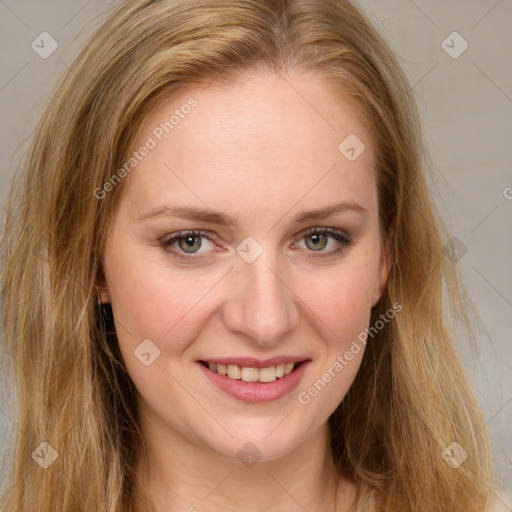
410, 399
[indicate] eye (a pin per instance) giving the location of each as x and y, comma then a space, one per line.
317, 239
186, 243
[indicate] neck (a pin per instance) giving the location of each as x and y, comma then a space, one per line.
182, 476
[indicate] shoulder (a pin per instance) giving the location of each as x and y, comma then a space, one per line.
499, 502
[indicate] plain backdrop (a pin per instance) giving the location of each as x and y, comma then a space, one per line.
458, 58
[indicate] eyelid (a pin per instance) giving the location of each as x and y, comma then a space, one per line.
331, 231
342, 237
187, 232
167, 240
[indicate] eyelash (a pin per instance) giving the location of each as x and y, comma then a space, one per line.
343, 239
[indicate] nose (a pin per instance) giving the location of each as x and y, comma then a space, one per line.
262, 304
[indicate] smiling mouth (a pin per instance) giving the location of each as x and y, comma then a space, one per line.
246, 374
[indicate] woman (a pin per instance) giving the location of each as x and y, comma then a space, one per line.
222, 276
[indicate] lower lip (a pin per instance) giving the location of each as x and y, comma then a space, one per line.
257, 391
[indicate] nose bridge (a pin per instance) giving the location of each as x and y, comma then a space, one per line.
264, 308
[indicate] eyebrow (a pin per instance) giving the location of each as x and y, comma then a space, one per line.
213, 217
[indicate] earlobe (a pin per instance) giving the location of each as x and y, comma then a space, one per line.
104, 297
101, 285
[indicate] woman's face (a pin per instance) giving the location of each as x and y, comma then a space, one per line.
253, 168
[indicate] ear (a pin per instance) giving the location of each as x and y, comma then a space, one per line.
384, 265
102, 286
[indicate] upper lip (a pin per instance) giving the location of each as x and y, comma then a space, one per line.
251, 362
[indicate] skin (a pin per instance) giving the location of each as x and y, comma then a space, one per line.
256, 150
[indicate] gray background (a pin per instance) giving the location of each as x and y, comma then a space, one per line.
466, 109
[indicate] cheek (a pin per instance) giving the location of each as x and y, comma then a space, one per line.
342, 299
340, 305
151, 302
142, 302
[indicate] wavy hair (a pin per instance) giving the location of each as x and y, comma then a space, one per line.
410, 399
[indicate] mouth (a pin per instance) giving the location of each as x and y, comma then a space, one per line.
257, 383
253, 374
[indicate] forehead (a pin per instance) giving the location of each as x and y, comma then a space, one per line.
269, 138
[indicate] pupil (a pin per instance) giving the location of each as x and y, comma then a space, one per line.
189, 240
317, 240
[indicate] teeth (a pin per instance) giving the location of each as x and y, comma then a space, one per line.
253, 374
267, 374
234, 371
249, 374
